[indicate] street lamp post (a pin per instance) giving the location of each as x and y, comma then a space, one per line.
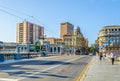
108, 41
28, 49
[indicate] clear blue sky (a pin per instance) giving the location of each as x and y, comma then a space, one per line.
90, 15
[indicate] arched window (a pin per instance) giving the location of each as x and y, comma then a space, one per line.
51, 49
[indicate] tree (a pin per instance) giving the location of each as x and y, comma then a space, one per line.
91, 49
37, 46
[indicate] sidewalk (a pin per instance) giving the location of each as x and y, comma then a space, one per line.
103, 71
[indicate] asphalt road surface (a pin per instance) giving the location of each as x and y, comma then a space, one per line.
54, 68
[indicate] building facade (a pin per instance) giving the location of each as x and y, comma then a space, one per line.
74, 41
53, 40
8, 47
86, 43
66, 28
28, 32
109, 39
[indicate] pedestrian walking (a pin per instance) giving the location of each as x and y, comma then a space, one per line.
113, 56
104, 55
101, 55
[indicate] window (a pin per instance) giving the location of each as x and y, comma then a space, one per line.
119, 29
115, 29
112, 29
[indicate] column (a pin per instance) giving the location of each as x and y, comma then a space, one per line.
52, 49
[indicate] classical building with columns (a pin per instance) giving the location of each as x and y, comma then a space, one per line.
53, 40
74, 41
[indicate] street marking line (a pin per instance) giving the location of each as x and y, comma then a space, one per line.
48, 68
84, 71
6, 79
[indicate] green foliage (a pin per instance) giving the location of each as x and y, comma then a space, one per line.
37, 46
37, 43
91, 49
43, 48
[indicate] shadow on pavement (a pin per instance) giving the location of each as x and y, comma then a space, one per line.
53, 75
17, 69
36, 62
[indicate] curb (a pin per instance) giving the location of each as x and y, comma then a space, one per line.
84, 71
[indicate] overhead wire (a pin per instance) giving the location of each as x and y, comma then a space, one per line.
15, 10
11, 14
23, 18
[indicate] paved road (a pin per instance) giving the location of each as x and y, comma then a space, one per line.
55, 68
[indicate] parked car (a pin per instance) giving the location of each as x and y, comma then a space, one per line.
77, 52
90, 54
43, 54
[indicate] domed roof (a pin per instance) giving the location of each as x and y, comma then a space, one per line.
78, 29
78, 32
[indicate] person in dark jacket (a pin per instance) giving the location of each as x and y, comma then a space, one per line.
113, 56
101, 55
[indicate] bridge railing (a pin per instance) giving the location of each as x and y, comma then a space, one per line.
23, 55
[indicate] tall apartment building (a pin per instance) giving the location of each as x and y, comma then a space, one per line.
28, 32
66, 28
